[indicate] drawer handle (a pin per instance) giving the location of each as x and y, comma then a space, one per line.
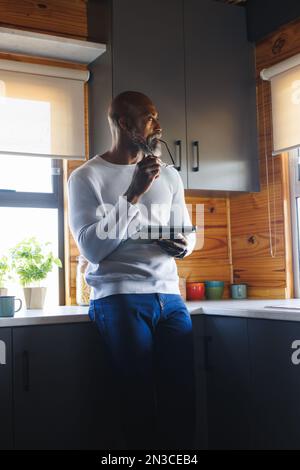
195, 166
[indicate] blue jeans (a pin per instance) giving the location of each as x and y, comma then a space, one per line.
148, 344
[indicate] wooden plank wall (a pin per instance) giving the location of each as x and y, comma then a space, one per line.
213, 260
71, 249
260, 223
61, 17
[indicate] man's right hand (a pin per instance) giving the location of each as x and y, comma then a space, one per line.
146, 171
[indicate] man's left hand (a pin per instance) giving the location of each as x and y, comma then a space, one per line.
176, 248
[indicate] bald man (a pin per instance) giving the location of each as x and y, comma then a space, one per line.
135, 299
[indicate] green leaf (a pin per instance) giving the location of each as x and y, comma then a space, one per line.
32, 260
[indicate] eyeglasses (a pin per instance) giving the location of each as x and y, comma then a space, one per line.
163, 164
167, 147
138, 139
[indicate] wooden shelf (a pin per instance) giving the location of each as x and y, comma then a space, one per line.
52, 47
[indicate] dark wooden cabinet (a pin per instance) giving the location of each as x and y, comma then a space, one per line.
148, 56
228, 382
194, 61
53, 393
6, 429
222, 146
265, 17
59, 388
198, 322
275, 383
252, 383
222, 382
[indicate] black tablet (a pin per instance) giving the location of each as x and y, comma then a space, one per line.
154, 232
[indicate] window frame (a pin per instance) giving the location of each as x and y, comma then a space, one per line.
294, 174
54, 200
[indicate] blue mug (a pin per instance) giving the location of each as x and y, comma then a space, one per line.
7, 305
214, 290
238, 291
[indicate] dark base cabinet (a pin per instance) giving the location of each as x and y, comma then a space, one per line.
251, 386
200, 379
275, 375
222, 382
53, 386
6, 431
228, 383
59, 388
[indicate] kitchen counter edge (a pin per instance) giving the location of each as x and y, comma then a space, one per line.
286, 310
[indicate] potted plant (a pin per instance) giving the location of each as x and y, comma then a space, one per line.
32, 261
4, 270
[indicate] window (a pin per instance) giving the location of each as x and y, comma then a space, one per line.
42, 122
20, 174
31, 205
294, 165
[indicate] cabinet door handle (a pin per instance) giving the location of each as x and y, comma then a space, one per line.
178, 155
195, 166
2, 353
25, 369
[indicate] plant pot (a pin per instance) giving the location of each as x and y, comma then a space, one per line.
3, 291
34, 297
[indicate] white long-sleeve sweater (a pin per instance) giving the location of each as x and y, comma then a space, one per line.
118, 263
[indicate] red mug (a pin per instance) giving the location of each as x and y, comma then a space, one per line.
195, 290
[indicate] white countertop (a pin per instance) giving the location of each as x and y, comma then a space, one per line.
271, 309
64, 314
288, 310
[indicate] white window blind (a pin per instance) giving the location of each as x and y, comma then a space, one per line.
42, 110
285, 91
